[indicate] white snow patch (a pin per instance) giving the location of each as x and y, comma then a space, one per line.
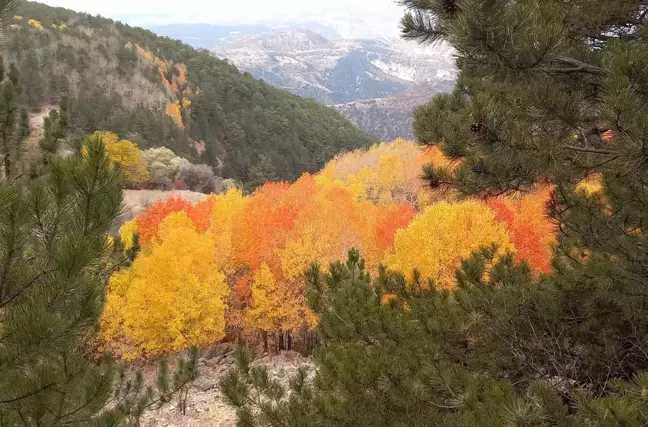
400, 71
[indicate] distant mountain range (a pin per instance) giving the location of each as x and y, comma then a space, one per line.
376, 83
210, 36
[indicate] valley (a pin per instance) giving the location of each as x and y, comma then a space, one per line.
375, 83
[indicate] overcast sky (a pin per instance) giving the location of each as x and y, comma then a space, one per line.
222, 11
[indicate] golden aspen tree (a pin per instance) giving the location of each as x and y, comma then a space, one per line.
172, 110
272, 308
437, 240
172, 297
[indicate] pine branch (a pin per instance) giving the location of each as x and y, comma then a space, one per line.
576, 66
587, 150
419, 25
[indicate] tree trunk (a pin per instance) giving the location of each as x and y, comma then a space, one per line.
7, 166
289, 341
264, 336
281, 341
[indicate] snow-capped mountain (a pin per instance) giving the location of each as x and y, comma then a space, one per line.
353, 75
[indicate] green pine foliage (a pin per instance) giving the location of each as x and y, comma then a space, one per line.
14, 120
111, 88
401, 353
52, 243
555, 100
260, 172
55, 260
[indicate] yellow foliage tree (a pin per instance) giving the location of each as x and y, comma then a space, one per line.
324, 230
182, 77
385, 173
173, 110
273, 306
442, 236
127, 233
125, 154
226, 208
172, 297
18, 18
36, 24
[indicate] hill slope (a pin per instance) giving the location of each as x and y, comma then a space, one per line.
160, 92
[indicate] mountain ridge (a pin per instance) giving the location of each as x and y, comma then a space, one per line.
348, 74
160, 92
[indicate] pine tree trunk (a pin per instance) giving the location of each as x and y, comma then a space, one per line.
7, 165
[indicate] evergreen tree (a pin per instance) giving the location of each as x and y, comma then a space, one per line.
54, 263
14, 120
54, 130
34, 83
53, 240
261, 172
550, 92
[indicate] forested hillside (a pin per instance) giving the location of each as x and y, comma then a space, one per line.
159, 92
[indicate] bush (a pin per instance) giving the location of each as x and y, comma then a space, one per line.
197, 177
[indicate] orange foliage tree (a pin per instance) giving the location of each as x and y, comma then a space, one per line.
172, 110
530, 229
149, 221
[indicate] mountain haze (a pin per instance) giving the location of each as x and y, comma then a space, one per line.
210, 36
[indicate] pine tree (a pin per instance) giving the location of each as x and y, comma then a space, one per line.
55, 260
53, 240
14, 120
261, 172
551, 93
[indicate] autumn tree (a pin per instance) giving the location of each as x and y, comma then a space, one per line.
273, 308
531, 230
125, 155
149, 221
438, 240
173, 296
386, 173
